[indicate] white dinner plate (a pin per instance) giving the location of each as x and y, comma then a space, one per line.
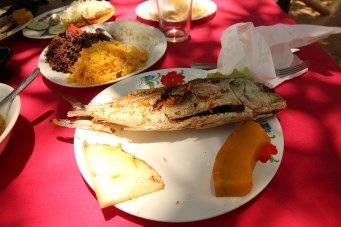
33, 34
145, 9
13, 31
60, 78
184, 159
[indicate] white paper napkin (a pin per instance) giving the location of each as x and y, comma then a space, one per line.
264, 48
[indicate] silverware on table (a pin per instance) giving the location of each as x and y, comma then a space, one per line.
203, 65
281, 72
292, 69
76, 104
21, 86
54, 20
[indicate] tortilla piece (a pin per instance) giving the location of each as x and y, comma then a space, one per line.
119, 176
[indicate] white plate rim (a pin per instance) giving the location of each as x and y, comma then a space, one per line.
269, 169
25, 30
13, 31
141, 10
60, 78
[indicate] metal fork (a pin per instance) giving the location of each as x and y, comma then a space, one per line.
103, 34
292, 69
281, 72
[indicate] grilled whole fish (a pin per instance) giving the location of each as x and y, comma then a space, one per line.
200, 103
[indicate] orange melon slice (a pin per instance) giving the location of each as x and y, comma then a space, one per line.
235, 161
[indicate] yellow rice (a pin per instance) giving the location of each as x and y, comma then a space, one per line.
106, 61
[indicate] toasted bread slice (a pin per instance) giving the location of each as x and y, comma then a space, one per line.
119, 176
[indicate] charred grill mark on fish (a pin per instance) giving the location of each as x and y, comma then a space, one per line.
216, 110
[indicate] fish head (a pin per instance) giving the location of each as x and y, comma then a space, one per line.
257, 97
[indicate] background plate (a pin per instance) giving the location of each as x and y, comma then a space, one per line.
184, 159
144, 9
13, 31
29, 33
60, 78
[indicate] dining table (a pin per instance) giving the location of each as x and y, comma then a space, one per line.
40, 182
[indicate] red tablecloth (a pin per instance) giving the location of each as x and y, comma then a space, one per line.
40, 184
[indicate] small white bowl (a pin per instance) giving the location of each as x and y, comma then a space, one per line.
10, 112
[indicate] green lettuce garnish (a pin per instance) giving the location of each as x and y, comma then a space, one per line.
245, 73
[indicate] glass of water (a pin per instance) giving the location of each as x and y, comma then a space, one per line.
175, 19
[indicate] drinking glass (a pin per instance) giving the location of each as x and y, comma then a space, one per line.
175, 19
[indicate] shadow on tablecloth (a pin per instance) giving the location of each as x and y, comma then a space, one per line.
18, 151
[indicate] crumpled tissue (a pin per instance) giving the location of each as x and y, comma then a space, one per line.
264, 48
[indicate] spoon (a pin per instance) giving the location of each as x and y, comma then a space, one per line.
54, 20
102, 34
21, 86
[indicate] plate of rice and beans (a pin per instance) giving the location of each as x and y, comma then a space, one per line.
81, 59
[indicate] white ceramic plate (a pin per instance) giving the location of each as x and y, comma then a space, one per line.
184, 159
29, 33
60, 78
146, 8
13, 31
10, 113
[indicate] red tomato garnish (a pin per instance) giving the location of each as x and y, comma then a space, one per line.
266, 152
172, 78
72, 28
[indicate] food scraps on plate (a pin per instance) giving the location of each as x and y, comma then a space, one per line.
94, 11
197, 10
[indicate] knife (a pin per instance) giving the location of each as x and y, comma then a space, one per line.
21, 86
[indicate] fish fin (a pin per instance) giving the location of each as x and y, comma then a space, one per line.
75, 104
83, 124
79, 113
